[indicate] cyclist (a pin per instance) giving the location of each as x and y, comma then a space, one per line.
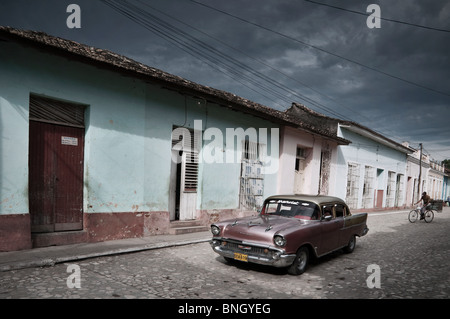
426, 201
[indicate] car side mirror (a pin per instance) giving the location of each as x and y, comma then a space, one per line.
327, 218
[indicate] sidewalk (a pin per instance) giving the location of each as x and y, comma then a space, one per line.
48, 256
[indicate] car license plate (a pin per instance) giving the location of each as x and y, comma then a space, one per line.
241, 257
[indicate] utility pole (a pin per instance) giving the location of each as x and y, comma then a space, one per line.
420, 172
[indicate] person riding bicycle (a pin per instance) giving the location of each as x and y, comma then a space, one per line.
426, 201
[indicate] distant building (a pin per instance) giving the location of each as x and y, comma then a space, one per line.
446, 186
367, 170
376, 168
416, 168
432, 178
308, 158
435, 180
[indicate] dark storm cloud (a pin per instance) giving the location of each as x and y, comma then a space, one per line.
325, 54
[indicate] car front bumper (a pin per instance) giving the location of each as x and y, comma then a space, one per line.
253, 253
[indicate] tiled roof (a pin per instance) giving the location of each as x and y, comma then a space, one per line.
329, 125
108, 59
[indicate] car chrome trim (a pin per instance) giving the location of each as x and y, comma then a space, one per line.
365, 231
248, 243
275, 257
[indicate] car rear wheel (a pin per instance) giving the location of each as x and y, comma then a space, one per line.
300, 263
351, 245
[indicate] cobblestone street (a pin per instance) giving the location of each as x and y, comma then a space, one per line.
413, 260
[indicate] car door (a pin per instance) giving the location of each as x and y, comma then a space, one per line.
330, 229
341, 212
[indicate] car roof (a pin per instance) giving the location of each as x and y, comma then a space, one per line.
317, 199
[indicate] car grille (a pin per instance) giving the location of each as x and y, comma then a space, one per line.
246, 249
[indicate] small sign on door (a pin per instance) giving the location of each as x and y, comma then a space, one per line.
65, 140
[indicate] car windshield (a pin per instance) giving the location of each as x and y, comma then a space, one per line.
291, 208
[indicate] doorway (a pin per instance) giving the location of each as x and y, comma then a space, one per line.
379, 191
56, 165
175, 185
299, 175
184, 174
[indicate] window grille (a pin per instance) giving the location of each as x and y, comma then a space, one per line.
390, 191
352, 185
368, 188
252, 175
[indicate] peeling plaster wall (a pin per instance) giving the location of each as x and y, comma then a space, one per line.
290, 140
115, 136
13, 136
128, 125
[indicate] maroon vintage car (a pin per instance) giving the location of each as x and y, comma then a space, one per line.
289, 230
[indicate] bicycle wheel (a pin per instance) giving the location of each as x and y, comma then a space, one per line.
429, 215
413, 215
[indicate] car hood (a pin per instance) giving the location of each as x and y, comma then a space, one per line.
258, 229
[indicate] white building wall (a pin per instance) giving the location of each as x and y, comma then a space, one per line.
383, 160
290, 140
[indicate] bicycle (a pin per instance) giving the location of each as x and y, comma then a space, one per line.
428, 215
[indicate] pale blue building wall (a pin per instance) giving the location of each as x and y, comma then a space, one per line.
127, 135
367, 152
114, 126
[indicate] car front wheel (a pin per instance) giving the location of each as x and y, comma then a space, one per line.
300, 263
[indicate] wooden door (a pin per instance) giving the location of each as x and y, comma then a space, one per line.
55, 177
379, 198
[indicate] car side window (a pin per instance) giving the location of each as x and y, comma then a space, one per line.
327, 210
340, 210
316, 212
347, 211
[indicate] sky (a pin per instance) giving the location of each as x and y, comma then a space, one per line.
391, 74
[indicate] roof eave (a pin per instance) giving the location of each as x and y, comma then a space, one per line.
111, 61
376, 137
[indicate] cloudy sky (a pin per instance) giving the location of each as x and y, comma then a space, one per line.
394, 79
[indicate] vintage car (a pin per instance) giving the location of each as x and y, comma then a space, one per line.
289, 230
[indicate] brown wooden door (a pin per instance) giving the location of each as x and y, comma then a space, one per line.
55, 177
379, 198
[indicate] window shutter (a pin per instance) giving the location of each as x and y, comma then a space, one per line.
191, 171
43, 109
188, 141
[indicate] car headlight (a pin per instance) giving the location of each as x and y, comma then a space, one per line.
215, 230
279, 241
